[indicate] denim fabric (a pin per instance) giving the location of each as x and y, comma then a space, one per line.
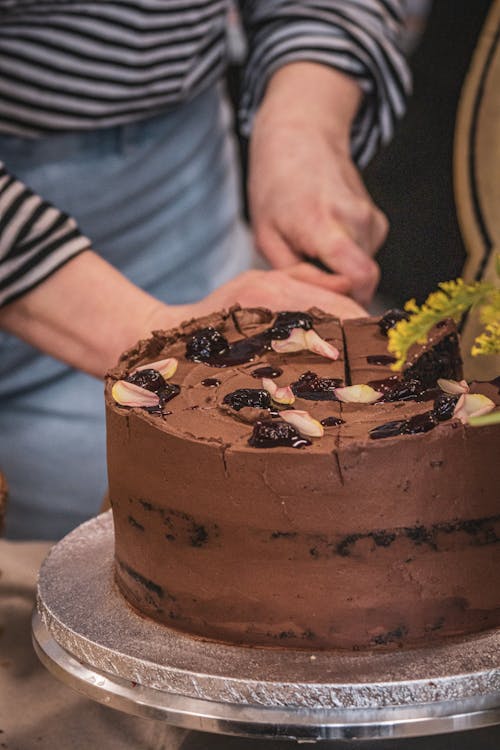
160, 201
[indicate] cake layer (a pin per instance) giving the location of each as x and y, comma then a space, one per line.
348, 542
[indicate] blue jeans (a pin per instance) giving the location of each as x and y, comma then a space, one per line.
160, 201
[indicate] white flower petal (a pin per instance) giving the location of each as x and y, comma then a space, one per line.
282, 395
472, 405
166, 367
453, 387
296, 342
317, 345
358, 394
303, 422
129, 394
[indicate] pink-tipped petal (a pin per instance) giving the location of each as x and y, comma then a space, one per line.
453, 387
303, 422
129, 394
270, 386
296, 342
282, 395
472, 405
317, 345
166, 367
358, 394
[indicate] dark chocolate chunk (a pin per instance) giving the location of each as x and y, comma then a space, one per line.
210, 382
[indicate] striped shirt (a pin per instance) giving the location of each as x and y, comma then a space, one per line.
69, 65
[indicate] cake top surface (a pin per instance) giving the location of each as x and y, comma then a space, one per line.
227, 363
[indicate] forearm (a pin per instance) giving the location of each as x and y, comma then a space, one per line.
86, 314
304, 94
359, 39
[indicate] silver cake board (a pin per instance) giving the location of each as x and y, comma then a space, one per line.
90, 638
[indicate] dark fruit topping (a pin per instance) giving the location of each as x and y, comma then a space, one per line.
444, 406
309, 386
209, 346
419, 423
380, 359
390, 318
270, 434
151, 380
332, 421
395, 389
205, 344
210, 382
389, 429
168, 392
442, 361
267, 372
242, 397
286, 321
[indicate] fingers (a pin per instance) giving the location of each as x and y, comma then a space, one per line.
278, 290
344, 248
315, 276
337, 250
303, 295
277, 251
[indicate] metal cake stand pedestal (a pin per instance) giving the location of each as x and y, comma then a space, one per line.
87, 635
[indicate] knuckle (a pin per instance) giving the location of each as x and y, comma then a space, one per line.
382, 226
364, 213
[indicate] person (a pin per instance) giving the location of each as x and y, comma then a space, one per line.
113, 115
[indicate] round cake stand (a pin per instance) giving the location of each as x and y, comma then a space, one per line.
87, 635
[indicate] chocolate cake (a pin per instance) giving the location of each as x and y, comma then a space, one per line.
258, 498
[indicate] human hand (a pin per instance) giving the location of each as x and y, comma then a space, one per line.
293, 288
87, 313
306, 195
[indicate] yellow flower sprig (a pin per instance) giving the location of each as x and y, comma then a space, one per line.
452, 300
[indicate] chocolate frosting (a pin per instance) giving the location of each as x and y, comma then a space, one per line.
345, 543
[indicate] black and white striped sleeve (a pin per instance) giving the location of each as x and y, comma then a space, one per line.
358, 37
35, 238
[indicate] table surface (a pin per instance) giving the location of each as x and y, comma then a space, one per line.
37, 711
